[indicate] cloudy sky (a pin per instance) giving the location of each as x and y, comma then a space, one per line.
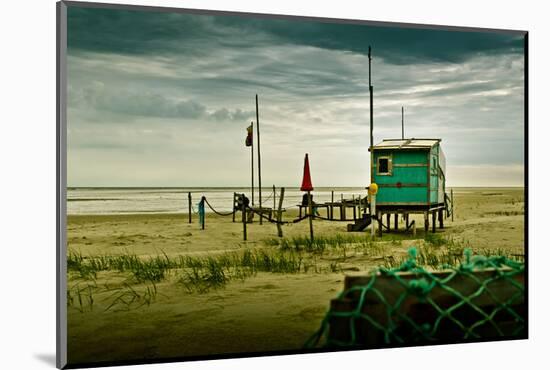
164, 99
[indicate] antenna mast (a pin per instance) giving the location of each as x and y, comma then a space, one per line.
371, 108
402, 123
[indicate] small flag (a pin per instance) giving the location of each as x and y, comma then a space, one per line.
248, 140
306, 180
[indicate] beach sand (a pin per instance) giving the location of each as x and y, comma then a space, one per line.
264, 312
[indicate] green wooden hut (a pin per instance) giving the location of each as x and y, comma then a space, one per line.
410, 174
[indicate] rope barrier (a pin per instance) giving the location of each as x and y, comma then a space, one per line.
296, 220
268, 198
216, 212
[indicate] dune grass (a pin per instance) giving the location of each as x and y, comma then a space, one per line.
290, 256
195, 273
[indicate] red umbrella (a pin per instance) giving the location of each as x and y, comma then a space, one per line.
306, 181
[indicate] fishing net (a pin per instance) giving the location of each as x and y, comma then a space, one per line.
483, 298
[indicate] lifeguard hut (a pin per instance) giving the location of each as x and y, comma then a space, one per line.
410, 174
410, 178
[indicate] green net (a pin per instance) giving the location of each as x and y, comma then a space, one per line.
482, 298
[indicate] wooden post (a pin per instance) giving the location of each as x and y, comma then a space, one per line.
440, 216
343, 211
280, 213
372, 214
354, 211
274, 198
189, 201
396, 221
388, 220
259, 159
332, 205
380, 216
452, 206
433, 221
243, 209
234, 205
426, 222
203, 213
310, 214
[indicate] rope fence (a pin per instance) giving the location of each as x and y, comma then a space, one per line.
260, 214
217, 212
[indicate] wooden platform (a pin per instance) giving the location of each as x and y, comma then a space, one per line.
342, 206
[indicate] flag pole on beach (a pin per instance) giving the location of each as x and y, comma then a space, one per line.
308, 186
250, 142
259, 159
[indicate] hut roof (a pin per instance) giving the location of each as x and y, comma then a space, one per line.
407, 143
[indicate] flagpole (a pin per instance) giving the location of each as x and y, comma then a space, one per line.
259, 159
252, 160
308, 186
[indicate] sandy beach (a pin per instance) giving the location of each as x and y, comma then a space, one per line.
113, 315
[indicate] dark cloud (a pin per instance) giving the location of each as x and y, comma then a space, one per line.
128, 71
237, 115
97, 97
140, 32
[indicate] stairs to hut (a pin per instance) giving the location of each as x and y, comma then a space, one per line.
360, 224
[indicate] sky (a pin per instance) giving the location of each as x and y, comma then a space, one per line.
164, 99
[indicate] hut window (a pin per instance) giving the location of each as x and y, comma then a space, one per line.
384, 166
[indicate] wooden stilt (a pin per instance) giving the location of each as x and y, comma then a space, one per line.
388, 220
342, 211
452, 206
433, 221
372, 214
426, 222
396, 221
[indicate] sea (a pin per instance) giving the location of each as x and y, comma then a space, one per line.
105, 201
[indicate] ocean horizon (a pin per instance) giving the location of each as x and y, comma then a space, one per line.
135, 200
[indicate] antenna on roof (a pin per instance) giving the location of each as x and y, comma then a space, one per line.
370, 93
402, 123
